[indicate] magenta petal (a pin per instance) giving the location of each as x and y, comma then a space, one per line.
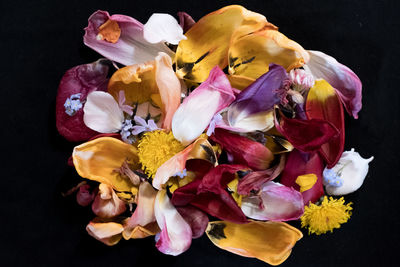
275, 202
197, 219
300, 163
81, 79
131, 47
186, 21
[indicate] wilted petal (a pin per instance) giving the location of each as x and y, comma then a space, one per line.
99, 159
352, 170
130, 48
107, 232
82, 80
260, 96
208, 41
244, 150
324, 104
195, 113
271, 242
107, 204
343, 79
102, 113
185, 21
197, 220
300, 163
84, 197
162, 28
176, 235
275, 202
250, 54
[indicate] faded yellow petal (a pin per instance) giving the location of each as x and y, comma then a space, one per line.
142, 231
98, 159
271, 242
208, 41
107, 232
251, 54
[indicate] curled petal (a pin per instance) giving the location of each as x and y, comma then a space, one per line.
98, 159
102, 113
344, 80
84, 197
185, 21
82, 80
197, 220
275, 202
271, 242
176, 235
107, 232
107, 204
162, 28
195, 113
352, 170
130, 47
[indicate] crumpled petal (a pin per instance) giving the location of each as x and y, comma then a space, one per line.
143, 215
324, 104
260, 96
185, 21
176, 234
271, 242
352, 170
162, 28
107, 232
197, 219
300, 163
81, 79
130, 48
344, 80
250, 54
84, 197
98, 160
107, 204
244, 151
208, 41
102, 113
195, 113
275, 202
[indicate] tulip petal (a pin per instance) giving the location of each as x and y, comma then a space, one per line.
169, 88
82, 80
197, 219
323, 103
176, 235
244, 150
250, 54
344, 80
107, 232
107, 204
260, 96
162, 28
195, 113
185, 21
98, 159
208, 41
275, 202
102, 113
271, 242
300, 163
130, 48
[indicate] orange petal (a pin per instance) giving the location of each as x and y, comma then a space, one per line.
271, 242
251, 54
107, 232
98, 159
208, 41
110, 31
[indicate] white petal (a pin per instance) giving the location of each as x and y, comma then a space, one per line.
102, 113
353, 169
163, 28
262, 121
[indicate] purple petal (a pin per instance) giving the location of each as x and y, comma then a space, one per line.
138, 129
139, 120
185, 21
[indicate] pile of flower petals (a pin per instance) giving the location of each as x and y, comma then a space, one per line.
224, 118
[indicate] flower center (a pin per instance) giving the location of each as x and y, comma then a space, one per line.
155, 148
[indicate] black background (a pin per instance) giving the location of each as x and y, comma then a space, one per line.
40, 40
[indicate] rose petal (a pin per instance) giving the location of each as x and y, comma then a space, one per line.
107, 204
197, 220
162, 28
185, 21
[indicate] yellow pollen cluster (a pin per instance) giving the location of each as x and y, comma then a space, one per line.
155, 148
320, 219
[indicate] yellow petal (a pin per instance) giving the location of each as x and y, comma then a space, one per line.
232, 186
251, 54
306, 181
98, 159
240, 82
271, 242
142, 231
208, 41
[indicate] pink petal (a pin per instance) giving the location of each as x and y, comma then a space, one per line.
107, 204
84, 197
185, 21
197, 219
131, 48
276, 202
81, 79
176, 234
